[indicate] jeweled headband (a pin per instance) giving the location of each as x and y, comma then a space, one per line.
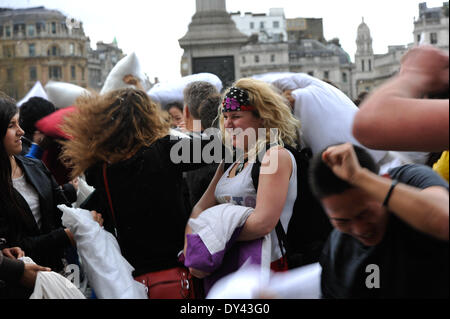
236, 100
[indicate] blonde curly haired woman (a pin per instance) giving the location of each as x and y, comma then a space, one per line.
252, 110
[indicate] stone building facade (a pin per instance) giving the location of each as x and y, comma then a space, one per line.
101, 61
37, 44
306, 50
371, 70
269, 27
325, 61
305, 28
432, 24
303, 50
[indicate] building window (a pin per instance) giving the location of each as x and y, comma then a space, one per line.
33, 73
244, 60
8, 31
54, 72
311, 73
73, 72
8, 51
344, 77
19, 28
370, 65
363, 65
272, 58
72, 49
326, 75
276, 24
30, 30
252, 25
82, 74
433, 38
54, 51
10, 74
418, 38
32, 49
53, 27
15, 30
1, 31
261, 25
40, 27
256, 58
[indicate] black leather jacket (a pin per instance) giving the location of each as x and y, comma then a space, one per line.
45, 245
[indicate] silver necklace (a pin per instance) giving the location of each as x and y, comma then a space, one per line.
240, 167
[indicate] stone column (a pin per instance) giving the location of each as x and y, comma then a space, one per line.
212, 43
210, 5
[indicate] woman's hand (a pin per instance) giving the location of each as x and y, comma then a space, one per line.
70, 236
13, 253
198, 273
30, 273
74, 182
41, 139
97, 217
132, 80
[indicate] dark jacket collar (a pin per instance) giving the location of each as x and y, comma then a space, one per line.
27, 165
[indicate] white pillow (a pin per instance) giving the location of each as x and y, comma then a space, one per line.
172, 91
325, 112
272, 76
63, 94
108, 272
129, 65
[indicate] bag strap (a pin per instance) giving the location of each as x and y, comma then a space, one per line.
282, 239
108, 194
281, 234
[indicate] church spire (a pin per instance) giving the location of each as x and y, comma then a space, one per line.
364, 40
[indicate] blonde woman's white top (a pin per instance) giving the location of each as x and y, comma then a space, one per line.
240, 190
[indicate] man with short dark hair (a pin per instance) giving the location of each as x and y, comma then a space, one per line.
391, 234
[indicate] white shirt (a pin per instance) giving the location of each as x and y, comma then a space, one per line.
31, 196
240, 190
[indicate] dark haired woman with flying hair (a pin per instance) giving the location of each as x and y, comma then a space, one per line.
29, 218
122, 143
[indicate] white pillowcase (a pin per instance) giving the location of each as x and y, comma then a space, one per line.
129, 65
63, 94
172, 91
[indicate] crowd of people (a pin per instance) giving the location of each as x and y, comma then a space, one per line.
184, 225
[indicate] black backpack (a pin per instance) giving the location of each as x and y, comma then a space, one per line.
309, 227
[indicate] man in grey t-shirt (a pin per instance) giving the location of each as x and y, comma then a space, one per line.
391, 232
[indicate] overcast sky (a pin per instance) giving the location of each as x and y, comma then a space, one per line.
151, 28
